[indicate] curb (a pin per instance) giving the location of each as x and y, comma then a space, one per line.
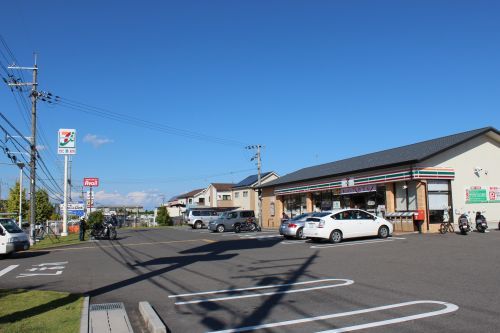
84, 321
153, 322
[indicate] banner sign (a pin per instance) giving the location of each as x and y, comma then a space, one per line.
482, 194
91, 182
66, 144
358, 189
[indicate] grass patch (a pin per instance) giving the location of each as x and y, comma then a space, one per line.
61, 241
39, 311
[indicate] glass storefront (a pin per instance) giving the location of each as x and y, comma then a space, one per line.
295, 205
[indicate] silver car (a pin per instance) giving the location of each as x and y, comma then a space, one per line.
294, 228
228, 220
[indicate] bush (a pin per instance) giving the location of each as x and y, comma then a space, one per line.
93, 218
163, 218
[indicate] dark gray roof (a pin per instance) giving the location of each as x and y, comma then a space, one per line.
413, 153
250, 180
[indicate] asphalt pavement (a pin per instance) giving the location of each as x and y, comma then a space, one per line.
199, 281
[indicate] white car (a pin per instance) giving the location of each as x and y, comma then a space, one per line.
346, 223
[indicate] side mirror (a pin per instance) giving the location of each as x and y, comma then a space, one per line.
2, 233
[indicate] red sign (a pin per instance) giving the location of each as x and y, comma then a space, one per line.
91, 182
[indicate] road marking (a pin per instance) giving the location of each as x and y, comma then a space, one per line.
37, 274
298, 241
8, 269
449, 307
350, 244
345, 282
43, 267
122, 245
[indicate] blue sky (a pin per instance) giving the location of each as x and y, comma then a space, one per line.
313, 81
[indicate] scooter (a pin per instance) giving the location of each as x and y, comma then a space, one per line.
481, 224
463, 224
248, 225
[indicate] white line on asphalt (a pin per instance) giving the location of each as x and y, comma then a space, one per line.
8, 269
449, 307
298, 241
345, 282
350, 244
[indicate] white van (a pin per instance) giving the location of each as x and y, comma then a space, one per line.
12, 238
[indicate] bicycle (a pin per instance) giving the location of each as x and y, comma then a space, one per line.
446, 227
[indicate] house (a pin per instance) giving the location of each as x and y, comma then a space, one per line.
422, 183
219, 195
245, 194
176, 205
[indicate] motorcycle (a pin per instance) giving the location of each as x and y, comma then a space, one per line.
103, 230
481, 224
248, 225
463, 224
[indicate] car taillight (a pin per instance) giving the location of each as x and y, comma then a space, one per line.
321, 224
292, 225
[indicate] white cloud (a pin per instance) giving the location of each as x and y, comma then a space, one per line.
147, 199
95, 140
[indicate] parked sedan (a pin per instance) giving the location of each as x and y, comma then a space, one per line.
346, 223
293, 228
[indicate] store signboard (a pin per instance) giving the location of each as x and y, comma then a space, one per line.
482, 194
358, 189
75, 208
66, 144
91, 182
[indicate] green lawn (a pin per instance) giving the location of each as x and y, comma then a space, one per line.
54, 242
39, 311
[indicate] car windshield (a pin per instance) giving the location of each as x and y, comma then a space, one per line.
10, 226
301, 216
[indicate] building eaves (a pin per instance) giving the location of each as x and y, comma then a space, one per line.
407, 154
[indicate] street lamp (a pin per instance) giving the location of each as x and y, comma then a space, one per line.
21, 166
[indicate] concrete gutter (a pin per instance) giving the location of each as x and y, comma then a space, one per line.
153, 322
84, 321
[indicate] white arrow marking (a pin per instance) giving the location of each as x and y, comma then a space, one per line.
35, 274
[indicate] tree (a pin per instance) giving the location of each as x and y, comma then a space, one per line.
13, 201
95, 217
43, 209
163, 218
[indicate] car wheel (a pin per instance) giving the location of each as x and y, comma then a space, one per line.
197, 225
220, 228
237, 228
383, 232
300, 234
336, 236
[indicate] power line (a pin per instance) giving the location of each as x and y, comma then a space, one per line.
135, 121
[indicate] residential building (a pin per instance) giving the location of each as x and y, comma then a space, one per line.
245, 194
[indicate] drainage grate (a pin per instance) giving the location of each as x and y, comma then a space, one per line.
106, 307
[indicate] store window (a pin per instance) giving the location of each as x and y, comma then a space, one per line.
406, 196
439, 200
295, 205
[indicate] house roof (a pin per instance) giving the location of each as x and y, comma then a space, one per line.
250, 180
223, 187
189, 194
408, 154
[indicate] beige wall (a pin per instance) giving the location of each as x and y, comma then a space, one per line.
481, 152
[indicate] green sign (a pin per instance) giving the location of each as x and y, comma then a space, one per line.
482, 194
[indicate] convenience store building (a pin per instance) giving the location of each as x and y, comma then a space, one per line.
425, 182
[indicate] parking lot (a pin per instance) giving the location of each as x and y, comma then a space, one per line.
199, 281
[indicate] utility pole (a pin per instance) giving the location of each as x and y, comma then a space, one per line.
259, 165
33, 152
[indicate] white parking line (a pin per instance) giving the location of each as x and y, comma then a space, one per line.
449, 307
350, 244
298, 241
8, 269
345, 282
